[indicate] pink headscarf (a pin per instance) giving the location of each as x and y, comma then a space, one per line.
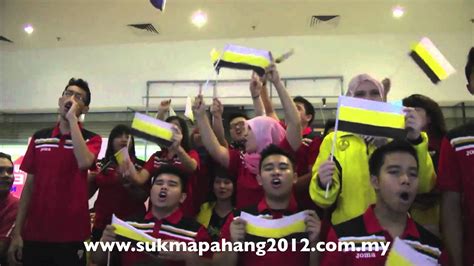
357, 80
267, 131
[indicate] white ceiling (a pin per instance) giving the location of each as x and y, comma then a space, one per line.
97, 22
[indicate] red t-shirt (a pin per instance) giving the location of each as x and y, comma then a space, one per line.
114, 198
58, 209
288, 257
249, 192
8, 210
175, 227
367, 228
190, 208
456, 173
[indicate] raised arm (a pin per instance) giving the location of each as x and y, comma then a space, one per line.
216, 110
218, 153
163, 109
255, 91
267, 102
293, 123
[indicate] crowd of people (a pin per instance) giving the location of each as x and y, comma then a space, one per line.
350, 187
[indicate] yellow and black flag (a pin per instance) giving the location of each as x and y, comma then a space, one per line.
239, 57
431, 61
152, 129
370, 118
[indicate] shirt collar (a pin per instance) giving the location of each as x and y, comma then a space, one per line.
57, 130
306, 131
372, 224
173, 218
292, 206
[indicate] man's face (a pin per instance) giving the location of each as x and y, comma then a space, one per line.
277, 176
238, 129
6, 176
397, 183
73, 94
367, 90
166, 192
470, 85
302, 113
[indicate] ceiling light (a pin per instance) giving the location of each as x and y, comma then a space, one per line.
398, 11
199, 18
28, 29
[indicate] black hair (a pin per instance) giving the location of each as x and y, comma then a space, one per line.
377, 159
172, 170
469, 69
272, 149
233, 116
6, 156
184, 130
330, 124
309, 109
437, 126
83, 85
221, 172
118, 131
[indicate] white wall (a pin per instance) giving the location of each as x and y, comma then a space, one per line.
33, 79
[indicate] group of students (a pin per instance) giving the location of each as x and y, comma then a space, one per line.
196, 189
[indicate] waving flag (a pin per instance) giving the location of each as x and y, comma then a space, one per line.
239, 57
275, 228
431, 61
126, 230
402, 254
370, 117
151, 129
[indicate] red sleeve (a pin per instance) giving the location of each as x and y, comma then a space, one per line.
28, 164
195, 155
225, 230
203, 236
7, 219
94, 145
332, 258
449, 178
282, 123
314, 151
150, 165
234, 162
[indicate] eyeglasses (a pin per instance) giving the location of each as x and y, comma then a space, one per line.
8, 170
77, 96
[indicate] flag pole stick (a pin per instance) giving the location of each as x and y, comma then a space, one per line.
333, 147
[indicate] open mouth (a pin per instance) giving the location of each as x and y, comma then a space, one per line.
162, 195
276, 182
404, 196
67, 106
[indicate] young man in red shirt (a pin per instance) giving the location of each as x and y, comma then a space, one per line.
164, 221
277, 177
8, 205
394, 176
456, 182
53, 218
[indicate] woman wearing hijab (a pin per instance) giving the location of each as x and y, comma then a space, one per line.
262, 131
347, 175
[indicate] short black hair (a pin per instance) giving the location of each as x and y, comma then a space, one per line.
307, 106
83, 85
233, 116
377, 159
172, 170
469, 69
437, 127
185, 143
6, 156
330, 124
272, 149
221, 172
